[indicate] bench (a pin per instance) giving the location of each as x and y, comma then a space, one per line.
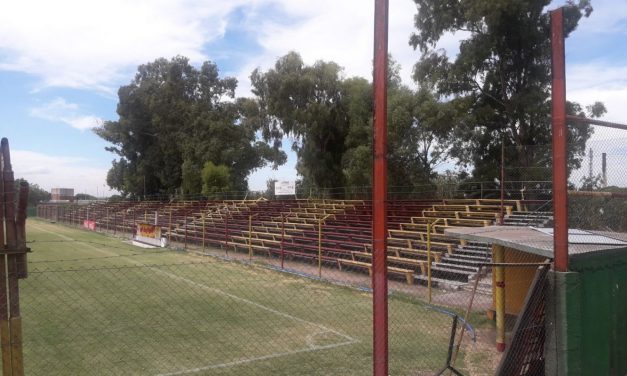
408, 274
478, 215
422, 264
467, 222
399, 251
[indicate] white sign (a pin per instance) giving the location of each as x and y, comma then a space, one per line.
284, 188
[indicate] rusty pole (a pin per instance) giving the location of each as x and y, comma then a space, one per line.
379, 193
558, 116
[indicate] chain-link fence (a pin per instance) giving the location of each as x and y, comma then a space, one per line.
283, 286
307, 263
597, 248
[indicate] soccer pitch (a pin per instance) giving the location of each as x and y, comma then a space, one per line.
93, 304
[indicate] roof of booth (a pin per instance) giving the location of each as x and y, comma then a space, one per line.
540, 241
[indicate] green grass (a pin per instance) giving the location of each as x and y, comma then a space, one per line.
93, 304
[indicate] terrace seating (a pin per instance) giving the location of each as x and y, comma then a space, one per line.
292, 228
407, 273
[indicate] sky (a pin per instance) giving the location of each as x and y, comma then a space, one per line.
62, 61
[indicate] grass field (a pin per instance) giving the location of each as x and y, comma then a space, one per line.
93, 304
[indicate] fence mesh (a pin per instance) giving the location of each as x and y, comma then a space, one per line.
268, 286
282, 286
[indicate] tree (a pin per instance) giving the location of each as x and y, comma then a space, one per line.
305, 103
215, 180
418, 137
499, 82
330, 118
84, 196
269, 193
173, 118
36, 194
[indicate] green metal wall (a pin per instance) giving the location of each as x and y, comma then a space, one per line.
586, 316
602, 293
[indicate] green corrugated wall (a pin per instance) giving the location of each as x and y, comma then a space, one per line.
587, 316
603, 292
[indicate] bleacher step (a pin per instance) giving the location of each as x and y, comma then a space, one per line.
453, 274
440, 282
476, 247
476, 252
475, 263
467, 257
472, 269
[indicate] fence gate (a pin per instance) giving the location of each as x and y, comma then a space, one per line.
525, 355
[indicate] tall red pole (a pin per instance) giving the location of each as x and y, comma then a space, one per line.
558, 115
379, 193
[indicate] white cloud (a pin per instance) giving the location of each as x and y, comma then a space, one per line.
339, 31
50, 171
603, 81
608, 17
59, 110
94, 44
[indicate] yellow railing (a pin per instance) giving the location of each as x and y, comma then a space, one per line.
320, 221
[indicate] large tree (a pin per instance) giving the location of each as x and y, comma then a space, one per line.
173, 119
330, 119
500, 80
305, 102
36, 194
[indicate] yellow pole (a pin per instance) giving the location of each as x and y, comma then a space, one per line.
250, 238
499, 274
146, 216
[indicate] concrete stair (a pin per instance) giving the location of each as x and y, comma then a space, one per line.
462, 265
535, 219
459, 269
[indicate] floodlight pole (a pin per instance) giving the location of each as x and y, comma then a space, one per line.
560, 133
379, 193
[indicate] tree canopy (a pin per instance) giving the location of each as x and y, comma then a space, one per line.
330, 119
174, 118
306, 103
36, 194
181, 129
500, 80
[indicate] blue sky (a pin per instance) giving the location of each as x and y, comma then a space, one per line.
61, 63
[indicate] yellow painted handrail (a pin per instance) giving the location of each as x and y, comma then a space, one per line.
320, 243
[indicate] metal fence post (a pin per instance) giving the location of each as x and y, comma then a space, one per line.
250, 237
379, 192
558, 116
499, 273
202, 216
282, 238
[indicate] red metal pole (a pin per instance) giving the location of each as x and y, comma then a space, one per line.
379, 193
226, 234
282, 237
558, 115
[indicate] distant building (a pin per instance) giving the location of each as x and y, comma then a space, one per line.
62, 194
